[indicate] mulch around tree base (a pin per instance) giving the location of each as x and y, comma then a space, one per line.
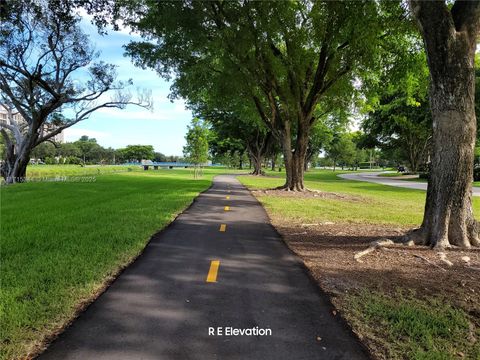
328, 250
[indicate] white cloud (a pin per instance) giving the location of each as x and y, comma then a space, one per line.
73, 134
161, 112
122, 28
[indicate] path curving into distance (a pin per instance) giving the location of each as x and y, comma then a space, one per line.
219, 264
374, 178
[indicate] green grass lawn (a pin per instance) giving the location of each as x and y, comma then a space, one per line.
425, 329
381, 204
394, 174
36, 171
61, 241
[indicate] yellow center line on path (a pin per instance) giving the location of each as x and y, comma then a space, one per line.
213, 272
227, 208
223, 227
228, 197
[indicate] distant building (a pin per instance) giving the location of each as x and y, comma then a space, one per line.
46, 128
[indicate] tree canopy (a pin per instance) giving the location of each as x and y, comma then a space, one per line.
291, 61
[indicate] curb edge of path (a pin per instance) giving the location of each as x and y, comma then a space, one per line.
84, 305
320, 291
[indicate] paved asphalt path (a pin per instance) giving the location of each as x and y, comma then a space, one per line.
162, 306
374, 178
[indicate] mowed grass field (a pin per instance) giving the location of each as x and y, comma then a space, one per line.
370, 203
45, 171
62, 241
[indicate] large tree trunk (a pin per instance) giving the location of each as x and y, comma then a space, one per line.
15, 167
17, 158
287, 160
448, 218
413, 161
257, 164
295, 162
299, 157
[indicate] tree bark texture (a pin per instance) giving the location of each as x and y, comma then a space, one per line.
450, 42
257, 161
294, 158
17, 156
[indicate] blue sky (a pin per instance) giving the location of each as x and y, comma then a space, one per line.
164, 127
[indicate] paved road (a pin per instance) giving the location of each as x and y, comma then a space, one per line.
374, 178
162, 306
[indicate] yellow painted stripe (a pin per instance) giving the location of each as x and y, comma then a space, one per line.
213, 272
228, 197
223, 227
227, 208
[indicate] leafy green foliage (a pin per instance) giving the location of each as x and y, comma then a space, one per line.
399, 120
137, 152
342, 150
290, 61
87, 151
196, 149
44, 150
159, 157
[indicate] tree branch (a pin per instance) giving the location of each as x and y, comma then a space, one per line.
466, 15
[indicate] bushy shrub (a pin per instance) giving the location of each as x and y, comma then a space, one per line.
73, 160
49, 160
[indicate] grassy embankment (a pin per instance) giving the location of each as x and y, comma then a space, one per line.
406, 325
62, 241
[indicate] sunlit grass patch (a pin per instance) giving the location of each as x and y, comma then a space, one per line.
410, 328
381, 204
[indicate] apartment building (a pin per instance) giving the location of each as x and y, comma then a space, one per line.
47, 128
